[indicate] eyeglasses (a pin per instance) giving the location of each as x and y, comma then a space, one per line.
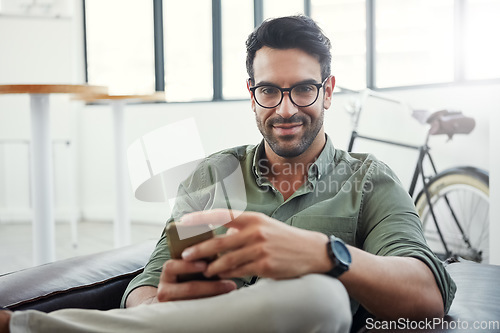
301, 95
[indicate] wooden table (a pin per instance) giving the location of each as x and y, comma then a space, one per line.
122, 180
41, 160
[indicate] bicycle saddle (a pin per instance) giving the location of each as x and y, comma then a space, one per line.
450, 123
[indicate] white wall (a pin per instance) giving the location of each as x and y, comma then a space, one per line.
37, 50
50, 51
32, 50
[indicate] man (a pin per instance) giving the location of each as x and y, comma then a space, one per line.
304, 200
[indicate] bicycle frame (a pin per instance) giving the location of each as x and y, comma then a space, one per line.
419, 168
418, 172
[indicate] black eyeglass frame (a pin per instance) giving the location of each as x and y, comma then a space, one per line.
289, 90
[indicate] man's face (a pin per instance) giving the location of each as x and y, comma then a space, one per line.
287, 129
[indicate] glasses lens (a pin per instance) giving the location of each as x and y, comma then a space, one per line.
304, 94
268, 96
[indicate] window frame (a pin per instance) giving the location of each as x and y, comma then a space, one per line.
258, 13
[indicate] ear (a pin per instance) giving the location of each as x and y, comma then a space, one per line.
252, 100
329, 86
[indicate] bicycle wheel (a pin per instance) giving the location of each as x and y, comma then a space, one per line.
464, 192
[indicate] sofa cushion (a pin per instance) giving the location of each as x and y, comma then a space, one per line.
95, 281
478, 292
476, 307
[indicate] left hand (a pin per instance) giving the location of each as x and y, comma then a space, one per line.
261, 246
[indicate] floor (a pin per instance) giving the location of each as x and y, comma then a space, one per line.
93, 236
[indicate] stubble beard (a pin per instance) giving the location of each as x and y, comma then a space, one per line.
279, 146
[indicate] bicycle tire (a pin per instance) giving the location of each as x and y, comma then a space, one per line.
467, 190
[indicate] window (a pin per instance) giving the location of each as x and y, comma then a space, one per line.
414, 42
120, 52
237, 24
188, 50
201, 55
480, 41
344, 22
277, 8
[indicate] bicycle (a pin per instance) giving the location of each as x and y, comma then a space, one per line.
453, 204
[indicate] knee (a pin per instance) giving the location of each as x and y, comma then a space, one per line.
327, 300
316, 303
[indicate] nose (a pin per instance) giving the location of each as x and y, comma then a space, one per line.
286, 109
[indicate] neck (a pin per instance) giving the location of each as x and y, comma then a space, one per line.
306, 158
287, 174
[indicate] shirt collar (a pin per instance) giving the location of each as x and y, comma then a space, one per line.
325, 161
322, 166
259, 153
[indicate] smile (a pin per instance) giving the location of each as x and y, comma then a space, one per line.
287, 129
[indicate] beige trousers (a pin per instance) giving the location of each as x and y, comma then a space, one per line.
312, 303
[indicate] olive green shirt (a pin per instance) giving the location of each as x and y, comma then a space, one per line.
352, 196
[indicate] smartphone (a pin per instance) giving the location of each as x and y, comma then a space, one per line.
180, 237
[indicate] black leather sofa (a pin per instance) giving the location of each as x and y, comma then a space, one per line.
95, 281
98, 281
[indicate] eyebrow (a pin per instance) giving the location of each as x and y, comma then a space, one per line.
269, 83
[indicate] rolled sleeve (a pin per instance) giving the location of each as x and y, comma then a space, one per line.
392, 227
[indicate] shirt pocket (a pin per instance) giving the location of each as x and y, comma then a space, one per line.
342, 227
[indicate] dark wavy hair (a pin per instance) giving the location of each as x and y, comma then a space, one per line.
290, 32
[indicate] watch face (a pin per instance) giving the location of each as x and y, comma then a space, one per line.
341, 252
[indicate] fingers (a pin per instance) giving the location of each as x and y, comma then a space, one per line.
194, 290
231, 231
172, 268
216, 217
249, 269
214, 246
233, 260
170, 290
247, 229
241, 251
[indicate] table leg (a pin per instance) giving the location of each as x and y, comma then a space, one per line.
42, 181
122, 220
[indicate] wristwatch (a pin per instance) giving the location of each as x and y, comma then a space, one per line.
339, 255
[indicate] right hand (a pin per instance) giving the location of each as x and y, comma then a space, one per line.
170, 290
